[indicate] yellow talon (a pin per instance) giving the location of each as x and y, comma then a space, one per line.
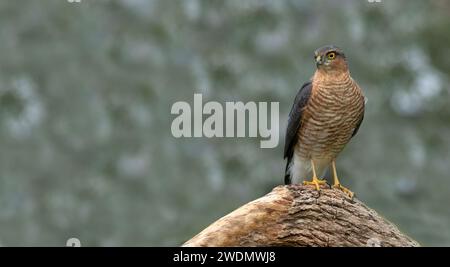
337, 184
316, 182
344, 189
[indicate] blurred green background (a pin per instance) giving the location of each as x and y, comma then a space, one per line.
86, 91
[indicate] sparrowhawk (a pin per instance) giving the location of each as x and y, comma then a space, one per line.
327, 113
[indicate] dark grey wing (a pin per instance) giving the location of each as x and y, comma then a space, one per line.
295, 116
358, 125
360, 120
294, 124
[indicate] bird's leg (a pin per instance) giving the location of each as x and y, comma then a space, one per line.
315, 181
337, 184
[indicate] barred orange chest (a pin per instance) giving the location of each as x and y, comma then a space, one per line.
330, 117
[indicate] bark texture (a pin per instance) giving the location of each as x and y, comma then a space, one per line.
297, 215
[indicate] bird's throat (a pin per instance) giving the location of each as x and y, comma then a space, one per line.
324, 76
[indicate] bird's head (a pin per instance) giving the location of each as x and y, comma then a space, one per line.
330, 58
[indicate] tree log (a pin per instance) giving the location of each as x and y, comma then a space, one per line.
297, 215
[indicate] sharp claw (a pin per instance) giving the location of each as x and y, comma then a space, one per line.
316, 182
345, 190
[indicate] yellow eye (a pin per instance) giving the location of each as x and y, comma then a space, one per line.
331, 55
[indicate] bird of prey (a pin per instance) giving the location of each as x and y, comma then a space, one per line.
327, 113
